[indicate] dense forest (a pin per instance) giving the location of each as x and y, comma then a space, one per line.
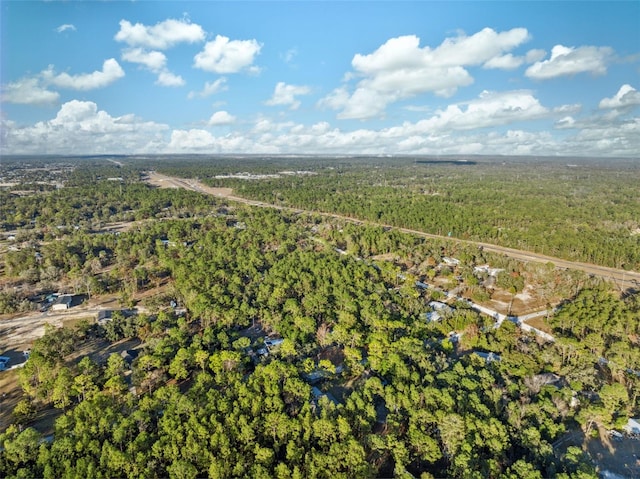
579, 211
291, 345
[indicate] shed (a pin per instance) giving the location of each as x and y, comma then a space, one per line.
104, 315
488, 357
317, 394
62, 302
632, 426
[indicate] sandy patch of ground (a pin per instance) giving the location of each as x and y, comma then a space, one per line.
157, 180
521, 304
218, 191
525, 295
540, 323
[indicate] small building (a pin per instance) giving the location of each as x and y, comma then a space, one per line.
272, 342
488, 357
431, 316
438, 309
62, 302
450, 261
106, 315
632, 426
315, 376
317, 394
486, 269
549, 379
128, 355
439, 306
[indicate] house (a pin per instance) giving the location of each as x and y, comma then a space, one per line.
431, 316
439, 306
269, 344
272, 342
315, 376
450, 261
128, 355
486, 269
62, 302
439, 309
632, 426
488, 357
317, 394
104, 316
549, 379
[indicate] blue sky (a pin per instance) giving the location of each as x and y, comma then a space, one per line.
356, 77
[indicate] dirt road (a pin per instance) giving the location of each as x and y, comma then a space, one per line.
623, 279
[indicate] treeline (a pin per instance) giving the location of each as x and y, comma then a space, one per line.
585, 214
93, 204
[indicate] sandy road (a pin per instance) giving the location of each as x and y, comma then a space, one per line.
623, 279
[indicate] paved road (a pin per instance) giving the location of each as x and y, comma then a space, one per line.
623, 279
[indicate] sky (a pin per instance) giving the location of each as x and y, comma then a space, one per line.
333, 77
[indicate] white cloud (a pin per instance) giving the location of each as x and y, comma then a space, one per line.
220, 118
111, 71
570, 61
612, 132
565, 109
210, 88
479, 47
80, 128
504, 62
599, 137
335, 100
490, 109
286, 95
28, 91
227, 56
166, 78
401, 69
627, 96
266, 126
534, 55
289, 55
160, 36
565, 122
189, 140
366, 103
153, 60
65, 27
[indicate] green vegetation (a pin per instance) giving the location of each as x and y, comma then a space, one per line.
570, 212
361, 383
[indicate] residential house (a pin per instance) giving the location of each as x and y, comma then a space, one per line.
62, 302
632, 426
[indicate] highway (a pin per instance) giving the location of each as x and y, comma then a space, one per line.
622, 278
